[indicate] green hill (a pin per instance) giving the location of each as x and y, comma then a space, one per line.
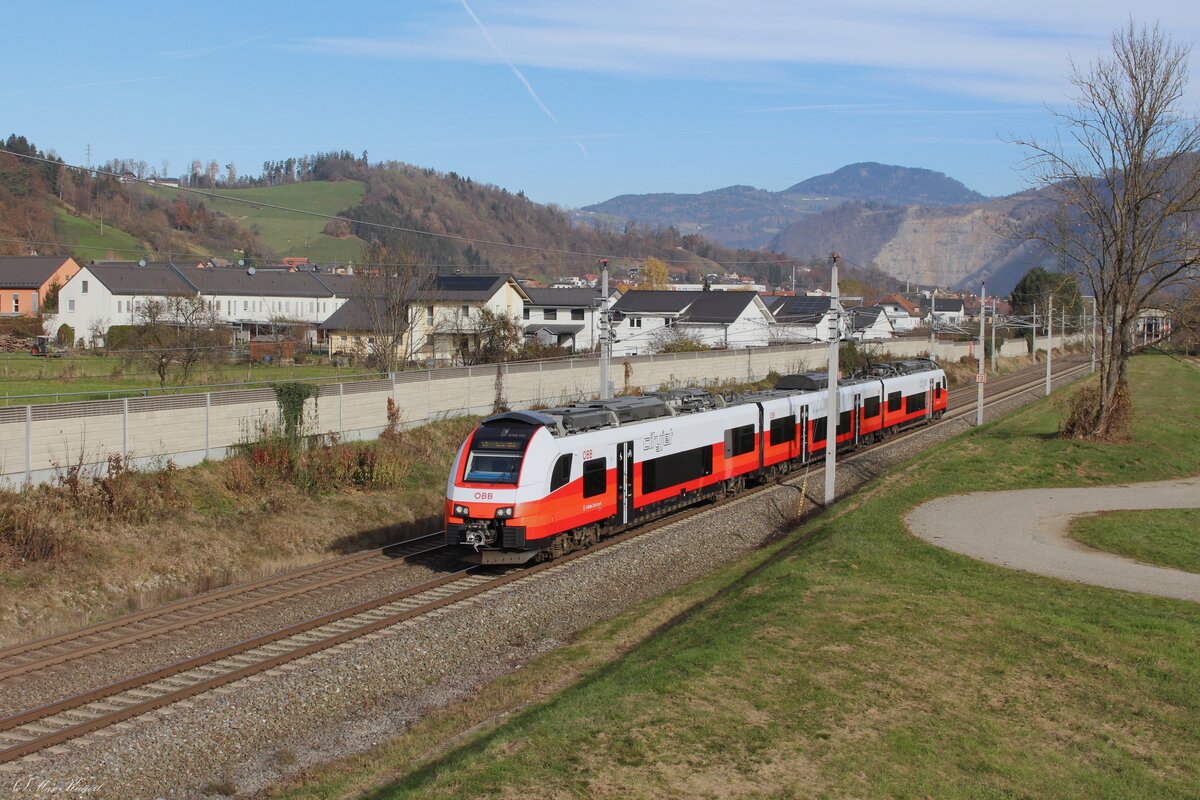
288, 233
91, 240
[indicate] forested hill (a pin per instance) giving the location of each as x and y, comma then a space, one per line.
883, 183
53, 208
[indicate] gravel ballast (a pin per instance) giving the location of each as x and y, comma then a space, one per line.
244, 737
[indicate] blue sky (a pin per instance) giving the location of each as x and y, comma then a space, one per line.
570, 102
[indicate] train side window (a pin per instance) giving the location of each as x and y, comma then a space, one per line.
915, 402
595, 477
783, 430
739, 441
870, 407
894, 400
562, 472
819, 426
843, 423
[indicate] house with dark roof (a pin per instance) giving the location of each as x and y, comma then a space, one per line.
444, 317
869, 323
25, 281
650, 318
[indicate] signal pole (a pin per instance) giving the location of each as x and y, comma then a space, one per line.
982, 376
933, 327
994, 362
835, 313
605, 332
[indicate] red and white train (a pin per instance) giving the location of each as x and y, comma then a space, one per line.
538, 484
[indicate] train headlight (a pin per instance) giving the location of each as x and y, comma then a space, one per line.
461, 511
504, 512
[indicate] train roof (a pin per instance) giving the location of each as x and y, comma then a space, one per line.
617, 411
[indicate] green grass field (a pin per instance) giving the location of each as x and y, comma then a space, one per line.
854, 660
1170, 537
87, 243
288, 233
25, 379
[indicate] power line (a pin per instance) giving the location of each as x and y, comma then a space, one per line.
380, 225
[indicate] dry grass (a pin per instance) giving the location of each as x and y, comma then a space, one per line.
93, 546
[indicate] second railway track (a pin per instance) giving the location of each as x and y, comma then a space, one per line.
51, 651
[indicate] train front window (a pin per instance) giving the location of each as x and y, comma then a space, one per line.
493, 468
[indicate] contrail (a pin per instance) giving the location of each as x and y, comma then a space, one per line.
511, 65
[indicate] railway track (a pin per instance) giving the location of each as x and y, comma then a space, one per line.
80, 715
52, 651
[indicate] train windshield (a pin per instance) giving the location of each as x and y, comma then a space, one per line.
497, 450
493, 468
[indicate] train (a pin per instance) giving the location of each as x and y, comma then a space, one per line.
538, 484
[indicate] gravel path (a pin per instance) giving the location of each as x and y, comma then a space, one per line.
1027, 530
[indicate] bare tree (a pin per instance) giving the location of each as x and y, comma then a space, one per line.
1128, 179
180, 330
392, 295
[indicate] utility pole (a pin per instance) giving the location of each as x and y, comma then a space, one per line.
933, 327
605, 332
1049, 339
994, 334
831, 419
982, 376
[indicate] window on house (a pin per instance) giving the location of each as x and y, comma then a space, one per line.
466, 311
218, 306
33, 302
83, 287
550, 313
525, 313
71, 305
429, 315
635, 322
576, 313
16, 303
119, 304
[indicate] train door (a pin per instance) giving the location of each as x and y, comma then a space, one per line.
857, 416
803, 420
624, 481
929, 395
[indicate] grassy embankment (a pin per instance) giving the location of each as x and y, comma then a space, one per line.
853, 660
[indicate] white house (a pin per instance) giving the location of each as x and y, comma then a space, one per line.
948, 311
904, 315
716, 319
565, 317
444, 317
102, 295
869, 324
